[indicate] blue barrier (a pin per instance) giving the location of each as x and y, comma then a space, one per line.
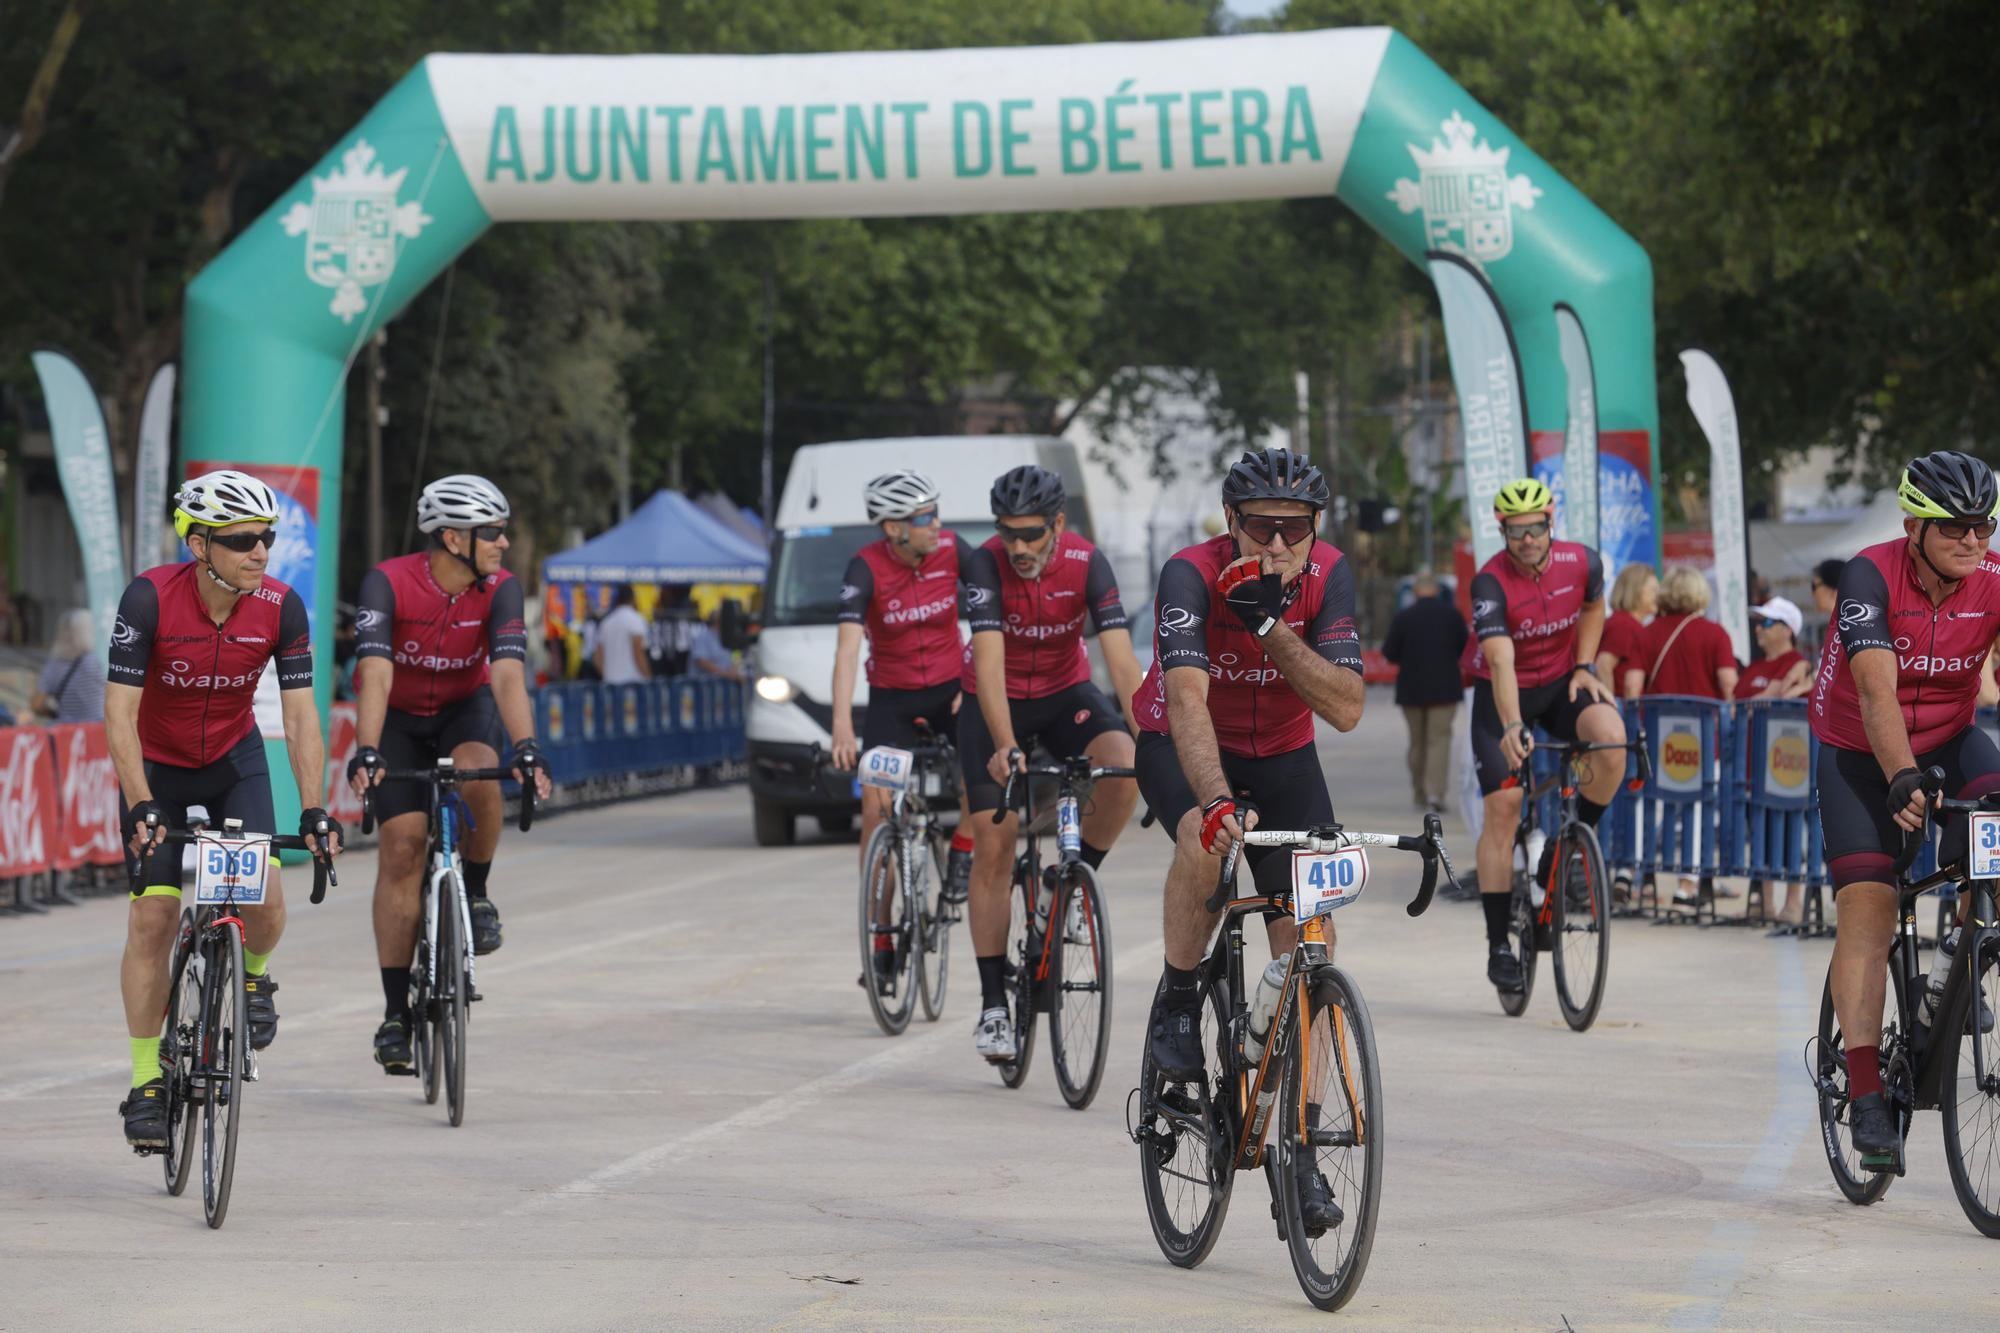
592, 730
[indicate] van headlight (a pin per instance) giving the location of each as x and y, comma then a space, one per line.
776, 689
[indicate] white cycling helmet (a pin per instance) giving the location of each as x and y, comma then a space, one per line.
898, 495
217, 499
461, 501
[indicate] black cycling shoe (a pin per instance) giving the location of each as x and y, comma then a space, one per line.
1316, 1204
145, 1112
1873, 1131
885, 972
1176, 1044
485, 926
392, 1047
263, 1010
1503, 969
957, 876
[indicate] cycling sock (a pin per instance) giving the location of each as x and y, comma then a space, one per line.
1180, 987
145, 1060
396, 992
885, 942
475, 878
961, 841
1094, 856
1589, 811
1499, 915
992, 981
254, 962
1864, 1071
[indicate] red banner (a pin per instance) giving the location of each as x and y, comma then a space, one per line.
86, 797
28, 815
341, 802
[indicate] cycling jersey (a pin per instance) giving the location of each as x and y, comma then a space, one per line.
1041, 619
911, 615
1255, 710
1537, 611
1938, 648
440, 642
1766, 672
199, 677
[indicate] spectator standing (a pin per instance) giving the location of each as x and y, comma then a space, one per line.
1425, 640
1826, 585
71, 686
670, 637
621, 641
1635, 599
707, 655
586, 641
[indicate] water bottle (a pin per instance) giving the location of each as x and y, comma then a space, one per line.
1069, 827
1537, 890
1934, 983
1263, 1007
1043, 900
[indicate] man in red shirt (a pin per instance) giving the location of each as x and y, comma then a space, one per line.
1782, 672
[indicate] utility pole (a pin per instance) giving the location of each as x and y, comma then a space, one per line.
770, 392
378, 417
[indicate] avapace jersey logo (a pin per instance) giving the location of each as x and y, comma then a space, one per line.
1178, 619
1855, 613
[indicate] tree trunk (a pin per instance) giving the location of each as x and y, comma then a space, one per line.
18, 143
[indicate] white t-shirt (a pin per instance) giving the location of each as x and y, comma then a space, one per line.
616, 634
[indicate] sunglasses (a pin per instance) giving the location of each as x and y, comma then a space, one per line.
243, 543
1956, 532
1770, 624
1525, 531
1022, 536
490, 534
923, 520
1261, 528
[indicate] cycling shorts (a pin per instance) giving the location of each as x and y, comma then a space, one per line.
1288, 789
1862, 840
892, 715
236, 786
1546, 706
1064, 722
411, 740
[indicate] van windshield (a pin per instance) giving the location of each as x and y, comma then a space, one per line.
806, 569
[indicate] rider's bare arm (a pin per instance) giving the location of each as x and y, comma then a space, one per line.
374, 660
1589, 631
1194, 732
846, 669
1881, 714
1499, 652
1123, 664
1332, 690
121, 733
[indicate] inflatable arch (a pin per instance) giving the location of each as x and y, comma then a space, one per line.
1548, 304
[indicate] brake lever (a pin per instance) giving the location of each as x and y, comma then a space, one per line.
1226, 878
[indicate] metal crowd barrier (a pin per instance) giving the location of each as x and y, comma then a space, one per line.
590, 730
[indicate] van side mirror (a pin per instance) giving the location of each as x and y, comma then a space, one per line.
734, 625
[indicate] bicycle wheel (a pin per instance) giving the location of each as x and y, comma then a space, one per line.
227, 1045
1827, 1058
1971, 1095
934, 928
886, 912
1080, 987
1522, 928
180, 1043
1582, 910
1024, 958
423, 1021
1186, 1161
451, 1000
1333, 1111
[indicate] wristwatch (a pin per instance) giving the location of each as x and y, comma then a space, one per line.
1591, 667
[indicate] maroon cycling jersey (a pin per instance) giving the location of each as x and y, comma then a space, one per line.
199, 677
911, 614
1938, 648
1041, 619
1537, 611
440, 642
1255, 711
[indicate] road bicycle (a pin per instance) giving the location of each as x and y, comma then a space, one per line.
1064, 973
442, 986
1570, 917
1314, 1064
1959, 1075
904, 916
205, 1052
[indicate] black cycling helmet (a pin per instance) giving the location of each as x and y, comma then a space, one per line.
1949, 485
1274, 474
1028, 489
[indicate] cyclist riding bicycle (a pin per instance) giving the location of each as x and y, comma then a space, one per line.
1537, 617
440, 667
902, 593
189, 647
1930, 602
1027, 678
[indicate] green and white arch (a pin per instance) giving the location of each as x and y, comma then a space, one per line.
465, 141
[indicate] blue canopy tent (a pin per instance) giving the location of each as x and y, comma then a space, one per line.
669, 539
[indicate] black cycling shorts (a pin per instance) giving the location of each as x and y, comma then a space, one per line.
1289, 791
892, 715
410, 740
1860, 836
236, 786
1546, 706
1064, 722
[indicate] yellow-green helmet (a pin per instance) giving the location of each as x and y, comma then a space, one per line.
1526, 496
1949, 485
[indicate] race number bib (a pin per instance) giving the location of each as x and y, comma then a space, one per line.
886, 768
1322, 881
231, 870
1985, 847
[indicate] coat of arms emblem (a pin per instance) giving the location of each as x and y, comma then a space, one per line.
1466, 195
352, 227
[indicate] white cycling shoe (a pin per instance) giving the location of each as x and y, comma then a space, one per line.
994, 1038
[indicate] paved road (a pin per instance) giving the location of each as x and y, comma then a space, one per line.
680, 1112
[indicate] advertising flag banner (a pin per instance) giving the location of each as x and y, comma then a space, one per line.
83, 461
152, 533
1715, 409
1492, 399
1576, 497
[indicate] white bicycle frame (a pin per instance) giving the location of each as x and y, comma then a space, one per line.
444, 872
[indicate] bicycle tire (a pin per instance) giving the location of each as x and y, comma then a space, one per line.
452, 987
1827, 1061
180, 1038
881, 883
1080, 987
1582, 953
934, 967
228, 1046
1022, 986
1966, 1097
1521, 925
423, 1017
1338, 1036
1186, 1245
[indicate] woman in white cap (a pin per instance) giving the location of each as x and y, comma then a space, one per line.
1782, 672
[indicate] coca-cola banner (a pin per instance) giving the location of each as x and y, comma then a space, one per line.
341, 802
28, 819
86, 798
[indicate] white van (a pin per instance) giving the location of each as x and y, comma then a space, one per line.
820, 525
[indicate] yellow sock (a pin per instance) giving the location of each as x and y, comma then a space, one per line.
145, 1060
253, 963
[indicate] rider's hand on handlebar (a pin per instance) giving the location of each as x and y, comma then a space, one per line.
364, 770
1005, 762
145, 815
845, 754
1516, 744
321, 831
528, 758
1907, 803
1223, 821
